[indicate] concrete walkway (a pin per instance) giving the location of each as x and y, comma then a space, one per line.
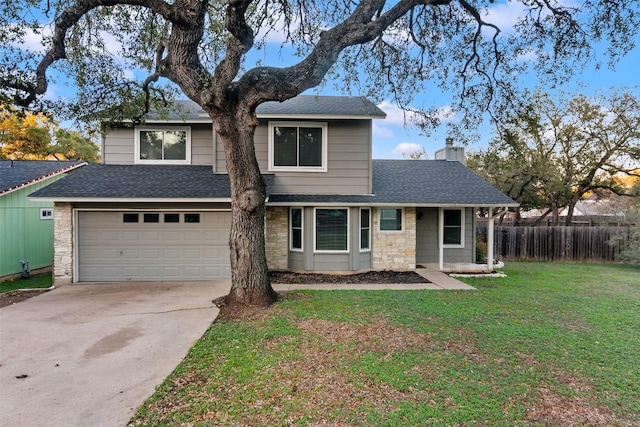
439, 281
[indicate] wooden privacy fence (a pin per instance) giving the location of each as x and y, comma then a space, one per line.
561, 243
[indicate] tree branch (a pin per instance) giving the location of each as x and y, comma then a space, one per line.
68, 18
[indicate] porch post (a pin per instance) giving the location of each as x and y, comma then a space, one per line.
440, 239
490, 241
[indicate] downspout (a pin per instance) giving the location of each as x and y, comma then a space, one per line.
490, 241
440, 239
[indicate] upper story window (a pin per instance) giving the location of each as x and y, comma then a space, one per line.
163, 145
453, 228
298, 146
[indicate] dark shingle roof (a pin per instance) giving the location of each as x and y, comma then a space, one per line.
18, 173
322, 105
402, 182
419, 182
141, 182
303, 105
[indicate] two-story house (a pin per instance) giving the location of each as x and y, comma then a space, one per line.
158, 208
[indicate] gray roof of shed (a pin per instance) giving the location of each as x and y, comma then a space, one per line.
400, 182
19, 173
141, 182
302, 105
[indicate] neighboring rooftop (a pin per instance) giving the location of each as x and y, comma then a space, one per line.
15, 174
97, 181
300, 106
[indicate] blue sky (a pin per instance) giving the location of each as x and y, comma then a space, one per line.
392, 136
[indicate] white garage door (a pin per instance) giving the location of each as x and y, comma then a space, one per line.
153, 246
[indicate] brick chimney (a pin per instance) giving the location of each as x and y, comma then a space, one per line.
450, 153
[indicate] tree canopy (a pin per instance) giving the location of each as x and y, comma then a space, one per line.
34, 136
554, 152
123, 55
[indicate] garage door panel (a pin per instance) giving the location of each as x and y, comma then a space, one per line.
111, 250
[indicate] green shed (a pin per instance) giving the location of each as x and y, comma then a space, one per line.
26, 227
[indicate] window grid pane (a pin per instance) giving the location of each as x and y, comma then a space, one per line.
365, 219
310, 141
285, 146
296, 228
452, 230
331, 230
175, 145
150, 145
390, 219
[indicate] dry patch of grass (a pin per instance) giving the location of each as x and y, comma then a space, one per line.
499, 356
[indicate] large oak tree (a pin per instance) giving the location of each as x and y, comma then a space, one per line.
208, 50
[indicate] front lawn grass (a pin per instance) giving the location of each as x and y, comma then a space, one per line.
34, 282
553, 344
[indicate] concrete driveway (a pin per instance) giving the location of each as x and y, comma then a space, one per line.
90, 354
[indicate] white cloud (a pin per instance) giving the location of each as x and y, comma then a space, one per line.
381, 131
399, 118
396, 116
406, 148
504, 15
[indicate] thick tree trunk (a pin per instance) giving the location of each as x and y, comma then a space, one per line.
250, 284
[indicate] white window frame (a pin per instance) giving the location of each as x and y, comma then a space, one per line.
138, 160
402, 220
368, 248
322, 251
46, 213
462, 227
325, 142
301, 248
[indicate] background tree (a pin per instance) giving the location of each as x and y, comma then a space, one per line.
382, 49
419, 154
24, 136
34, 136
554, 152
72, 145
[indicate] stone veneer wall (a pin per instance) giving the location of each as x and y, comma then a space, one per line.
395, 250
277, 237
62, 244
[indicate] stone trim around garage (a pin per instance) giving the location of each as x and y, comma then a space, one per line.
277, 237
62, 244
395, 250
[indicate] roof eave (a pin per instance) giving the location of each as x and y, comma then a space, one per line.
391, 204
132, 199
320, 116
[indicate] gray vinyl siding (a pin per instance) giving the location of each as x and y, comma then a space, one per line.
201, 144
119, 145
311, 261
348, 157
427, 239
